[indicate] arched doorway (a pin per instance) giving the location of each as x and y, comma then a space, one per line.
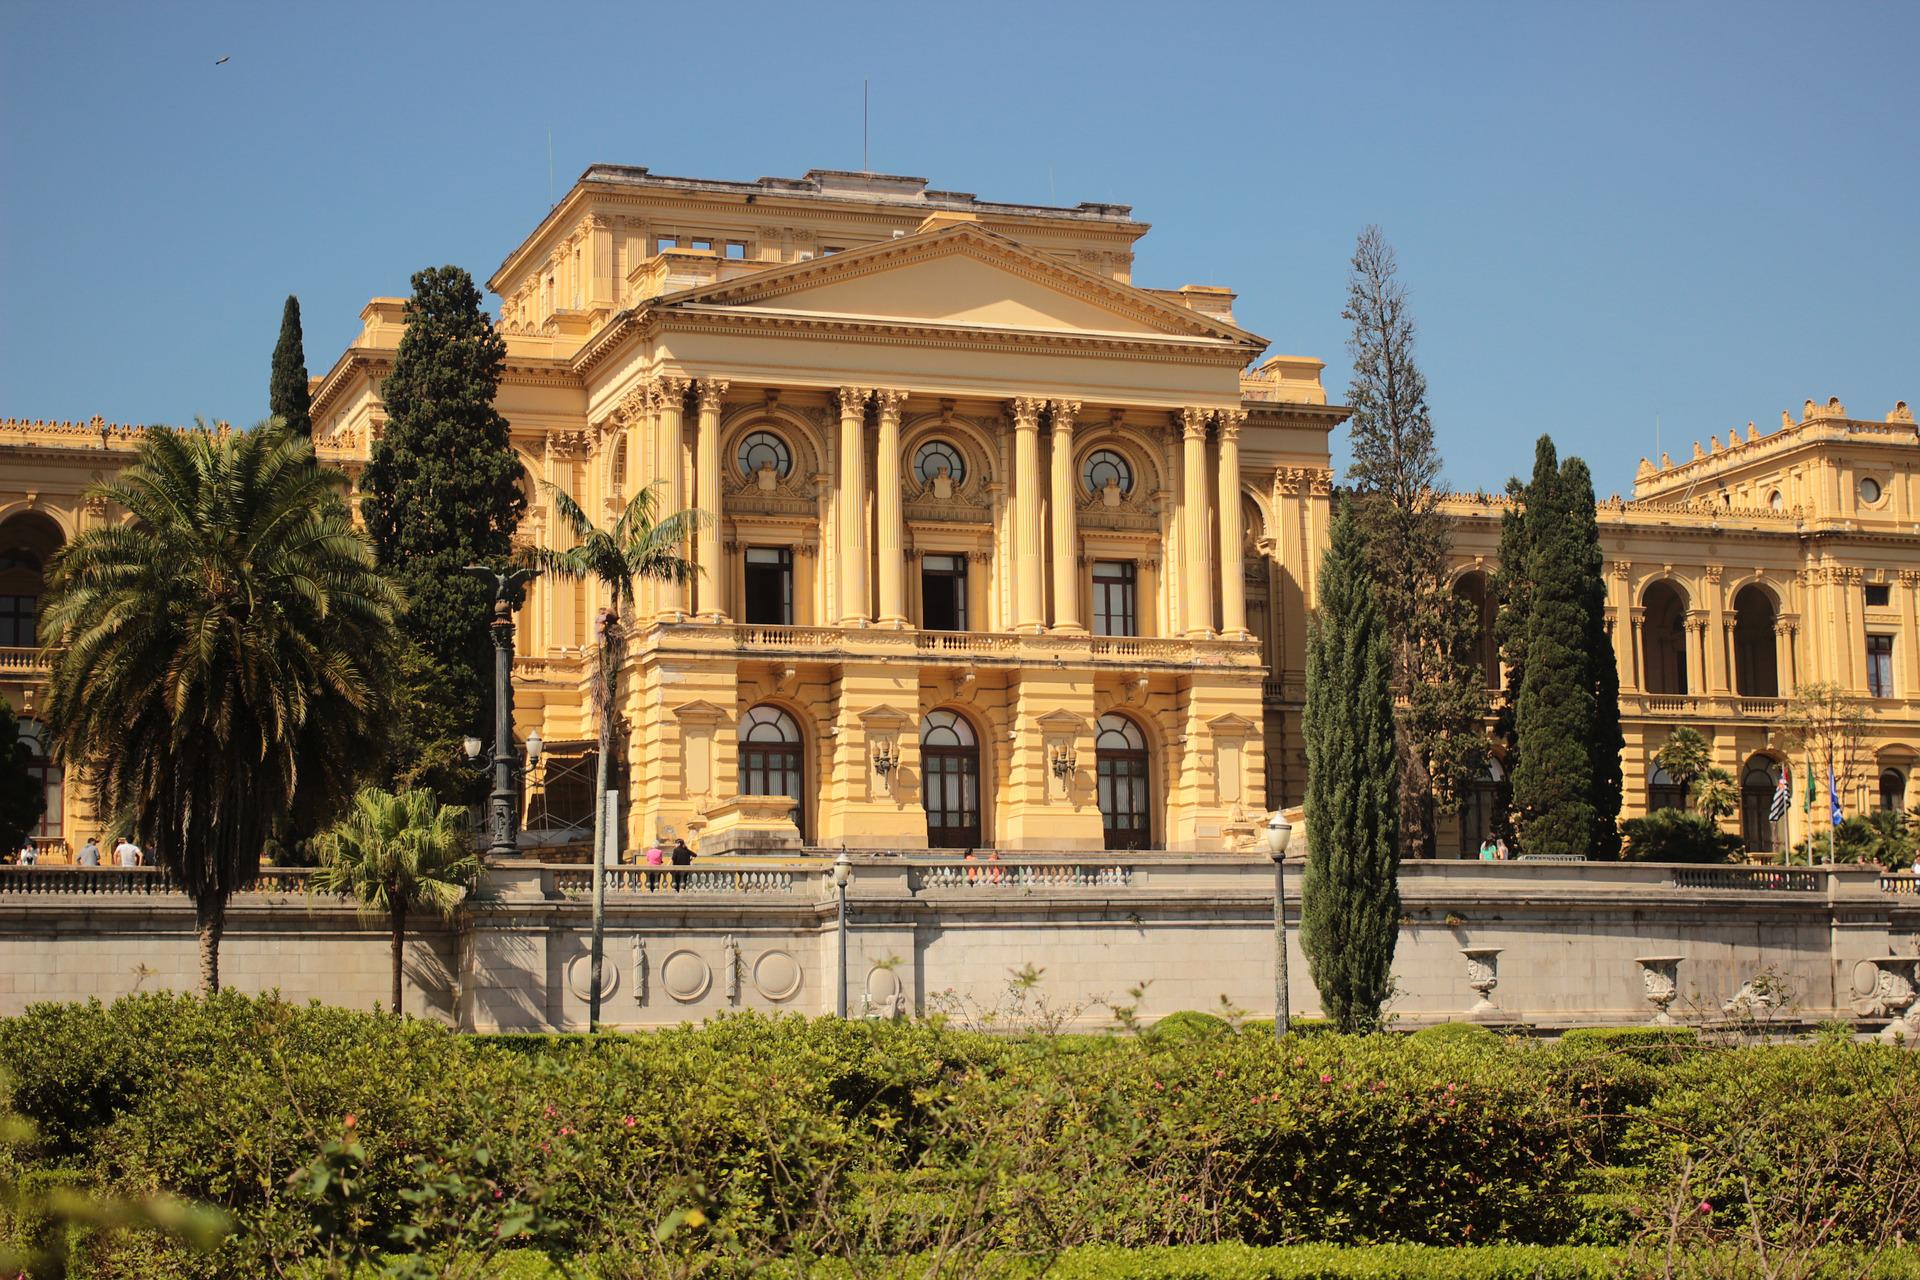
1757, 784
1663, 792
1120, 768
1485, 654
51, 780
1663, 639
1476, 809
1893, 790
771, 754
1756, 668
950, 790
27, 543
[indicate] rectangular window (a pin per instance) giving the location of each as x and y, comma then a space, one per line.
827, 249
1879, 595
737, 250
665, 243
769, 586
1880, 666
1113, 599
702, 244
943, 593
18, 624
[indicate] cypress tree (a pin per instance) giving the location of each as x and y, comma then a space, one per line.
442, 489
1350, 917
1513, 597
287, 395
1396, 483
1605, 743
1554, 714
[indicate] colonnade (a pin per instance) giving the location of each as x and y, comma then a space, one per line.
1043, 499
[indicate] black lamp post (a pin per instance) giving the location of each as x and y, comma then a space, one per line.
1279, 835
506, 583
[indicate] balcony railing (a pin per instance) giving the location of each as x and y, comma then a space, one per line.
1750, 878
990, 876
24, 660
1001, 646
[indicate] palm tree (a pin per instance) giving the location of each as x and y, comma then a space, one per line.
395, 853
218, 656
637, 546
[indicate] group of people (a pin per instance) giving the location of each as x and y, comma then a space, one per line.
125, 854
1493, 850
679, 856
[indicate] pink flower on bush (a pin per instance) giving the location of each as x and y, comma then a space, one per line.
351, 1120
629, 1121
1219, 1075
566, 1131
1325, 1078
549, 1112
1706, 1207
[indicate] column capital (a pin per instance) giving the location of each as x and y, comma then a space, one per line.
1192, 423
670, 390
1620, 569
889, 401
712, 391
1064, 412
1026, 412
1231, 420
851, 400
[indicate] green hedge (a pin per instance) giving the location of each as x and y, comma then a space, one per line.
750, 1139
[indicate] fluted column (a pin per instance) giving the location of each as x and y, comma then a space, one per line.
1233, 581
886, 506
852, 502
1029, 602
1696, 651
1066, 517
710, 590
671, 598
1193, 521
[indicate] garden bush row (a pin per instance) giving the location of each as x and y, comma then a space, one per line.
329, 1135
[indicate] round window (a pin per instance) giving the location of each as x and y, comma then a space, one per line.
764, 449
1869, 491
1105, 467
936, 456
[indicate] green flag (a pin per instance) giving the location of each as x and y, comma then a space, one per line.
1807, 805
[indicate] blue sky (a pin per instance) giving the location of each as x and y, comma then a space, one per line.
1608, 215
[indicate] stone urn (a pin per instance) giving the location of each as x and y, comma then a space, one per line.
1885, 987
1483, 975
1660, 979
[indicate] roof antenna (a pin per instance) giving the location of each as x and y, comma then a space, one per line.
865, 167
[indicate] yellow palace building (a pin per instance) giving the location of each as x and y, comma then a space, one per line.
1010, 551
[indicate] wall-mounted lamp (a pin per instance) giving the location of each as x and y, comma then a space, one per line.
1062, 761
886, 758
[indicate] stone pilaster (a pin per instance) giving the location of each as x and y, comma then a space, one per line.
853, 551
670, 598
1233, 587
1193, 522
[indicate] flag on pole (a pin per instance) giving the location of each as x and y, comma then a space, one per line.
1782, 795
1807, 806
1833, 799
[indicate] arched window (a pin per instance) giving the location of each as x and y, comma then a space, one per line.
950, 766
1757, 786
1105, 467
1120, 772
935, 456
764, 449
1893, 790
1663, 792
617, 470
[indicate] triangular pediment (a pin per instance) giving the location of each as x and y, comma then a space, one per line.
962, 277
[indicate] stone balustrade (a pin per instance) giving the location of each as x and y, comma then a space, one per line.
982, 646
931, 931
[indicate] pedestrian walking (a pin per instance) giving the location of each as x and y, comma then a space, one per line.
126, 853
90, 853
680, 856
656, 857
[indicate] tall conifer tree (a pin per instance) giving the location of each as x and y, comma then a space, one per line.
1395, 477
1351, 902
1605, 741
287, 395
442, 489
1554, 715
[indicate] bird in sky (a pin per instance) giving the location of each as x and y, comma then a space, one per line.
219, 60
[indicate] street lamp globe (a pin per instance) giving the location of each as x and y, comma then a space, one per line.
1279, 836
842, 870
472, 745
534, 747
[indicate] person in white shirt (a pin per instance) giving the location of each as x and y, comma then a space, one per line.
126, 853
29, 855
